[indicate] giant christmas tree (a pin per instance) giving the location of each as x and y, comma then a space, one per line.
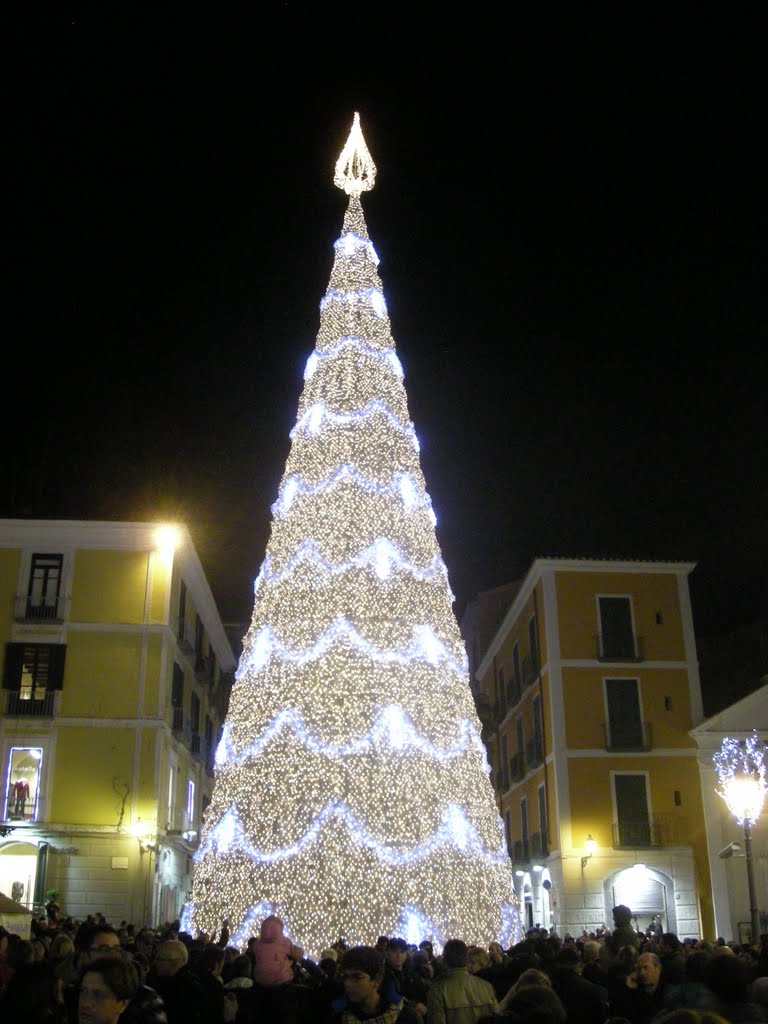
352, 795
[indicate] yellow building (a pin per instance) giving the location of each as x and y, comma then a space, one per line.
116, 679
588, 691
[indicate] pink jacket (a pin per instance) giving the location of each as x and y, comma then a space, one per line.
271, 954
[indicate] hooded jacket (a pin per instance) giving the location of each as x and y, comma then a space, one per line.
272, 955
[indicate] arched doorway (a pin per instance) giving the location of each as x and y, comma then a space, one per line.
647, 892
18, 872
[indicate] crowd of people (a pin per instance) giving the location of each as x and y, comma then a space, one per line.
92, 972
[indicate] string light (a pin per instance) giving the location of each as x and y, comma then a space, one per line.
352, 795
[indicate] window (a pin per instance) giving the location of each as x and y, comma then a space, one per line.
543, 828
198, 635
195, 713
533, 643
524, 820
633, 824
508, 829
520, 732
617, 635
538, 724
504, 762
516, 667
182, 608
625, 723
33, 672
190, 804
24, 767
209, 751
44, 586
172, 770
177, 696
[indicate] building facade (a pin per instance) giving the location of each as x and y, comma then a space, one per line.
116, 679
588, 692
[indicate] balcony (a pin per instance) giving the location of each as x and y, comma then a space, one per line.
19, 705
181, 726
628, 649
194, 745
205, 668
517, 767
644, 833
539, 842
530, 669
44, 609
514, 692
521, 850
627, 737
534, 752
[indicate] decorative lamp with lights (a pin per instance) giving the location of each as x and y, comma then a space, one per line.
352, 794
741, 773
590, 845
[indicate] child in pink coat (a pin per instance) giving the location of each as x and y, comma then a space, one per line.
273, 954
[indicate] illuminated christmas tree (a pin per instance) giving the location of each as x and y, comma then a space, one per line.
352, 794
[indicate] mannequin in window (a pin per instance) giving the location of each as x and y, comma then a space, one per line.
19, 796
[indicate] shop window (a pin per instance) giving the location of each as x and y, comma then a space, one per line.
24, 767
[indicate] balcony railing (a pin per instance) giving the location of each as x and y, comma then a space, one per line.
181, 726
627, 736
194, 745
18, 705
521, 850
514, 692
534, 752
641, 833
44, 609
624, 649
530, 669
539, 844
516, 767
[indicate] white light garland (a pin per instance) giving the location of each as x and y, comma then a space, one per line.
317, 415
392, 728
387, 356
351, 297
401, 484
741, 772
454, 832
424, 645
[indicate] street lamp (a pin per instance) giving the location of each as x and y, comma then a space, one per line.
740, 769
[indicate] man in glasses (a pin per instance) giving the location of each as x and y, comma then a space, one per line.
366, 995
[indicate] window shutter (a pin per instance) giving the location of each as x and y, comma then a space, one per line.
14, 659
57, 654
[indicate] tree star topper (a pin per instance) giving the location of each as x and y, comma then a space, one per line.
355, 169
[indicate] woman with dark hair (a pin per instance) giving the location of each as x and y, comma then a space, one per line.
34, 996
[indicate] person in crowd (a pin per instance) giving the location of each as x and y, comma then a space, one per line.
34, 996
410, 985
584, 1002
108, 985
623, 933
456, 996
729, 980
642, 996
368, 994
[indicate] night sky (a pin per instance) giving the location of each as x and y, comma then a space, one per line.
571, 217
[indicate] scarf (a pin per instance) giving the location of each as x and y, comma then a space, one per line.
388, 1016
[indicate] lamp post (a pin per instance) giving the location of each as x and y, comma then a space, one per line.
740, 769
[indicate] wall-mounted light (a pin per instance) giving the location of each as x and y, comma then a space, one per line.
590, 846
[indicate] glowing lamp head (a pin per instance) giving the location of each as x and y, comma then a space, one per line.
167, 538
740, 769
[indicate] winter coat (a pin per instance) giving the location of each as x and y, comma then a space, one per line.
458, 997
272, 963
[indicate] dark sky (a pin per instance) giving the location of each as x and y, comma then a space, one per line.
571, 216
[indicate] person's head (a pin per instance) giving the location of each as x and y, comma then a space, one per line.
33, 994
649, 971
396, 954
455, 953
477, 959
210, 961
622, 916
381, 944
108, 985
590, 951
426, 945
495, 952
536, 1004
61, 946
170, 957
728, 979
532, 977
362, 971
